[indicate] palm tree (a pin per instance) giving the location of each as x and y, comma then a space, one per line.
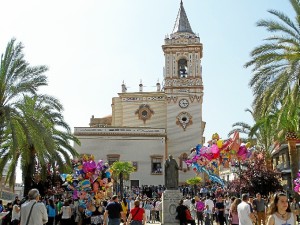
122, 169
261, 134
276, 77
16, 79
42, 140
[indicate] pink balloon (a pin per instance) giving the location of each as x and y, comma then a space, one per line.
215, 149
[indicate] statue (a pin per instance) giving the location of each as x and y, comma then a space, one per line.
171, 173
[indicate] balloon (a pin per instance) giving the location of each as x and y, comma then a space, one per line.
214, 149
215, 136
248, 145
220, 143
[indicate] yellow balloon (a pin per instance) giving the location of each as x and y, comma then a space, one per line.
220, 143
248, 144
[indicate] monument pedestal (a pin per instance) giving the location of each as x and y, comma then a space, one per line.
170, 201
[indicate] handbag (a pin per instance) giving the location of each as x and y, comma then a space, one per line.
188, 215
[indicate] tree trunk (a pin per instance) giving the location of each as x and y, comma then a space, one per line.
28, 173
121, 185
293, 160
27, 176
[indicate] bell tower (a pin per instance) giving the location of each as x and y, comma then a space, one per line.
183, 87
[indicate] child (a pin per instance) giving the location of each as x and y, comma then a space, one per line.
207, 216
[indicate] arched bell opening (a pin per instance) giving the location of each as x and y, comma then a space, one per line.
182, 68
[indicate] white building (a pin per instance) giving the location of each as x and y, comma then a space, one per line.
145, 127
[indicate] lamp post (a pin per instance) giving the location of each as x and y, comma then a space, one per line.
238, 167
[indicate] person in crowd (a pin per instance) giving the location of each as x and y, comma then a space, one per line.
1, 206
193, 209
244, 211
147, 207
15, 215
66, 213
259, 207
33, 210
8, 217
59, 204
200, 206
137, 215
153, 212
51, 211
97, 213
220, 209
158, 209
227, 203
125, 207
182, 214
207, 216
295, 208
114, 212
279, 211
211, 206
233, 213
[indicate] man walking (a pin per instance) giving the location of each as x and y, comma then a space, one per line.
113, 212
259, 207
244, 211
33, 210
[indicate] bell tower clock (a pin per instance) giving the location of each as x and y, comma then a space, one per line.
183, 86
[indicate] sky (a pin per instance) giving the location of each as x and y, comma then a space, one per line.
91, 46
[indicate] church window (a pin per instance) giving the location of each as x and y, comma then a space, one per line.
135, 165
111, 158
182, 68
156, 164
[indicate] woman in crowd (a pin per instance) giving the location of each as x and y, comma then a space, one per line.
193, 209
51, 210
220, 209
233, 214
295, 207
147, 207
125, 207
137, 215
279, 211
15, 215
66, 213
182, 214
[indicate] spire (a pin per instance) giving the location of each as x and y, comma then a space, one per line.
182, 23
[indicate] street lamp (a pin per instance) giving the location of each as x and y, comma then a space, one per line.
238, 167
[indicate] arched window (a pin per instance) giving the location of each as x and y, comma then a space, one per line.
182, 68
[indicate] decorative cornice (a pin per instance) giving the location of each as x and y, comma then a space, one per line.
120, 131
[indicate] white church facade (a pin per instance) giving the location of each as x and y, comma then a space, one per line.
146, 127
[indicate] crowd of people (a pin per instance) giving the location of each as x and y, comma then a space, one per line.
248, 210
139, 209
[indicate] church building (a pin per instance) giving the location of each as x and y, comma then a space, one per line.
146, 127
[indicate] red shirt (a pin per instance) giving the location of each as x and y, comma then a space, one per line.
137, 215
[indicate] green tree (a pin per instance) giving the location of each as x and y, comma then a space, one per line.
42, 141
194, 181
122, 170
276, 79
32, 129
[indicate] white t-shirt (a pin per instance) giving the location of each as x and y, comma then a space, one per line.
66, 212
187, 203
210, 204
243, 210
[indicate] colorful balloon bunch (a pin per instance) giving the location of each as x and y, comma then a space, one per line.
297, 184
89, 179
219, 152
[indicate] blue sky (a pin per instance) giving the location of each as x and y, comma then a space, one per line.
91, 46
